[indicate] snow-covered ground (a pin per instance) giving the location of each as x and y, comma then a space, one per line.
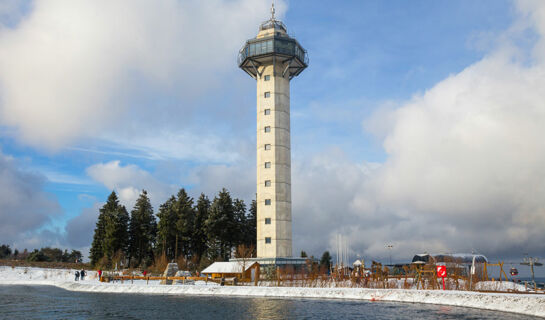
519, 303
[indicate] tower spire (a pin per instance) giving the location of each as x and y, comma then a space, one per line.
272, 11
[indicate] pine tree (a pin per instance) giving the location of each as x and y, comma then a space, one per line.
221, 226
142, 231
185, 215
199, 239
325, 262
240, 222
250, 231
116, 235
99, 237
166, 228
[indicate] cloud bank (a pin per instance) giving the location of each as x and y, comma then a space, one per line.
71, 69
464, 168
24, 207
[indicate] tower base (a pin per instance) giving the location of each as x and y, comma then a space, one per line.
268, 266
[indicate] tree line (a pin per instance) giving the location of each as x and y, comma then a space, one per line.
201, 230
47, 254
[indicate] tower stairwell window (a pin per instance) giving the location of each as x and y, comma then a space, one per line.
267, 77
267, 220
267, 112
267, 129
267, 147
267, 202
267, 165
267, 94
268, 240
267, 183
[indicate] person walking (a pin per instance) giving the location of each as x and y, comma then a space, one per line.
82, 274
99, 274
77, 275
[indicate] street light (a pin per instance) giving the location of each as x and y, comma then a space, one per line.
390, 247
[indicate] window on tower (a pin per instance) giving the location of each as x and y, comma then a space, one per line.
267, 129
268, 240
267, 147
267, 112
267, 94
267, 183
267, 77
267, 220
267, 165
267, 202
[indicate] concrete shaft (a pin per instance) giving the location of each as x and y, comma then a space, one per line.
273, 163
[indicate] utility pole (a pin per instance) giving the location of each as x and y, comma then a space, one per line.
531, 261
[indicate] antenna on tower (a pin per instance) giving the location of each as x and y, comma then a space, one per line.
272, 11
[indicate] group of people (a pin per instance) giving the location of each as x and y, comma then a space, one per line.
80, 275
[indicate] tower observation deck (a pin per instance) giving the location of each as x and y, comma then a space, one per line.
273, 58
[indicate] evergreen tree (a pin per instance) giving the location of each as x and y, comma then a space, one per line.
221, 226
166, 228
116, 232
99, 237
325, 262
250, 232
185, 216
241, 224
5, 251
142, 231
199, 230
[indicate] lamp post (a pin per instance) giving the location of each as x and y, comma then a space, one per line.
390, 247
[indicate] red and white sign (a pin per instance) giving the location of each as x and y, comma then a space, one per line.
441, 271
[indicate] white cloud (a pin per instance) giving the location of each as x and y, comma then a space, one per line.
128, 181
69, 69
238, 179
464, 168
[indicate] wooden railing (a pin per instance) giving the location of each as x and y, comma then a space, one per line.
228, 281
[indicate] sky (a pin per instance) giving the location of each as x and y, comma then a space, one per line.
418, 124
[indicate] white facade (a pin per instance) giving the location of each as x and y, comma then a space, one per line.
273, 164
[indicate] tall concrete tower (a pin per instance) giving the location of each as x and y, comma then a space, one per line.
273, 58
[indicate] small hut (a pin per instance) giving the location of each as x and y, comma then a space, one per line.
233, 269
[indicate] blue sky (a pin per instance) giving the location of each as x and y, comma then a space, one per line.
154, 99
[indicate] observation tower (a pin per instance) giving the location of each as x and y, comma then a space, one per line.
273, 58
